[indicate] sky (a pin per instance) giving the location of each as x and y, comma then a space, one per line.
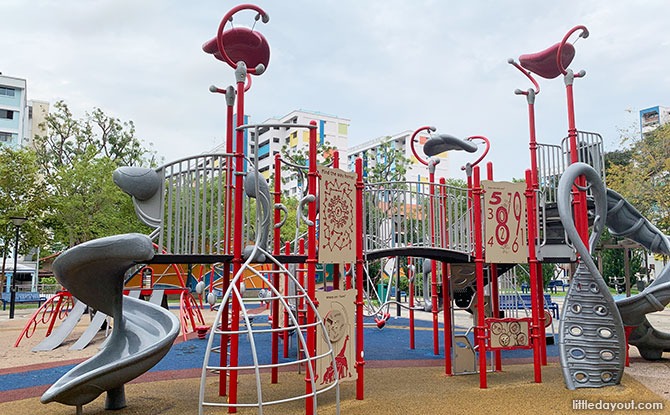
388, 66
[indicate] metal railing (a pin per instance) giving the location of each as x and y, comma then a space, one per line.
398, 214
196, 204
552, 161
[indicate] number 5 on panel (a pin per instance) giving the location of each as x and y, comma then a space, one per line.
505, 222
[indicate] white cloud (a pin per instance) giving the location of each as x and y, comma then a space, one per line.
387, 65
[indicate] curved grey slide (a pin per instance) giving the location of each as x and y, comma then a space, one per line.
143, 332
94, 327
626, 221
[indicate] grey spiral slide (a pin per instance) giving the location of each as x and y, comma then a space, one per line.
142, 333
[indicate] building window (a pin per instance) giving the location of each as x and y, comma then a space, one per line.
7, 114
10, 92
5, 137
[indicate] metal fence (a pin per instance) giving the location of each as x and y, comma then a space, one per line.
398, 214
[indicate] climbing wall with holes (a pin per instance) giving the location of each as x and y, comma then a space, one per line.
592, 345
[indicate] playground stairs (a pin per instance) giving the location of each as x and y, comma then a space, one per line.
553, 245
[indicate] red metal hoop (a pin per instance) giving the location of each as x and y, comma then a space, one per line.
426, 128
584, 34
487, 146
241, 43
536, 86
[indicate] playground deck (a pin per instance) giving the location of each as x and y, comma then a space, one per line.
172, 387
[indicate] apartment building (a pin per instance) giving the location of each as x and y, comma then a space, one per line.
13, 104
654, 117
20, 118
263, 143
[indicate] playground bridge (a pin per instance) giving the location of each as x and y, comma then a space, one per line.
192, 205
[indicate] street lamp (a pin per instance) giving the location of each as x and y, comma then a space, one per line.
17, 221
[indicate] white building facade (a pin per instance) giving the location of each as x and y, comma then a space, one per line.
371, 154
654, 117
20, 119
331, 130
13, 104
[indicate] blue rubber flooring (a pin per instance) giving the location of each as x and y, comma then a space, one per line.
389, 343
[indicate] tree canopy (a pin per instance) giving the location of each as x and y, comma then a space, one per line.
22, 194
641, 174
64, 183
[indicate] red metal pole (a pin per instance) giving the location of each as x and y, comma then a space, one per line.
225, 281
360, 362
446, 284
480, 333
276, 247
536, 335
300, 276
287, 251
493, 274
238, 228
56, 312
411, 275
230, 101
533, 139
534, 183
225, 324
579, 200
433, 264
311, 266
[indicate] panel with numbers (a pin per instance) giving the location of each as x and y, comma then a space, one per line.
505, 230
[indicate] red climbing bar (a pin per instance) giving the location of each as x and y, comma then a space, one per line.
446, 282
480, 333
311, 267
535, 332
433, 265
276, 247
411, 274
238, 229
579, 200
360, 361
287, 251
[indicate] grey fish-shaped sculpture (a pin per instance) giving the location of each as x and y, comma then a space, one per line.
592, 344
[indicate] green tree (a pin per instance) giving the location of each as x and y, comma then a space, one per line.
86, 204
644, 180
548, 273
94, 135
296, 161
22, 192
77, 158
386, 163
297, 158
612, 259
613, 265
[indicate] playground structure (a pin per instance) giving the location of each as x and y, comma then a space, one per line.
217, 210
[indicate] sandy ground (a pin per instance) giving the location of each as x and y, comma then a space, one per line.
389, 390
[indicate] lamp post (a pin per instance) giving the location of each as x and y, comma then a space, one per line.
17, 221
